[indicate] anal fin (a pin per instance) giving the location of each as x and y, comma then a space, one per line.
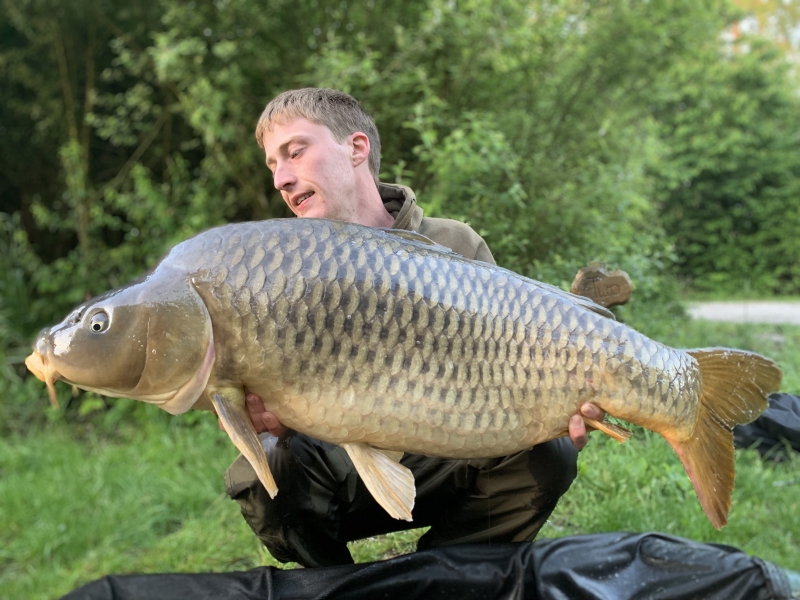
232, 411
389, 482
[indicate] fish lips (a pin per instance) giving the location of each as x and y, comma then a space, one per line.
38, 364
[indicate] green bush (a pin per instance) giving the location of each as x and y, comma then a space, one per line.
729, 185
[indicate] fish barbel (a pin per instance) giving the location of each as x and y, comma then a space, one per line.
382, 341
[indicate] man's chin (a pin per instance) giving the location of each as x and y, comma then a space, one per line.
315, 212
311, 214
302, 211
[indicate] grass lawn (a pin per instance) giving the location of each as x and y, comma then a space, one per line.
78, 504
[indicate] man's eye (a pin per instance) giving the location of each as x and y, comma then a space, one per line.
296, 153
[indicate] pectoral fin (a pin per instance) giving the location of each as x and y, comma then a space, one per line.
389, 482
232, 411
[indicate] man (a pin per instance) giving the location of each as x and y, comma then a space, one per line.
324, 153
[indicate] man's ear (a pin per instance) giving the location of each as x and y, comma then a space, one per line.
359, 142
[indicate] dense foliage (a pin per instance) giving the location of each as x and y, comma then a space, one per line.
730, 181
565, 131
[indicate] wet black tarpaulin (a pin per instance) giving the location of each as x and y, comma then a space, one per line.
776, 433
650, 566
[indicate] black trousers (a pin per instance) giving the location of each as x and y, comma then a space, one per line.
322, 503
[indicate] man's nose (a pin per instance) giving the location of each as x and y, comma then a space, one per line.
284, 176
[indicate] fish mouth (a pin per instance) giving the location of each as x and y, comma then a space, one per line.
38, 364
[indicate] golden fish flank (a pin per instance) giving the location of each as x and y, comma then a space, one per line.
382, 341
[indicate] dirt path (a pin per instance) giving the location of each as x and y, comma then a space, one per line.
747, 312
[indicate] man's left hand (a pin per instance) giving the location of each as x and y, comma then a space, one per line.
262, 419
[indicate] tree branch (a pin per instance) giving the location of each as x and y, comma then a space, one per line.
66, 86
89, 91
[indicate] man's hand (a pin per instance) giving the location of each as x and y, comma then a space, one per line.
262, 419
577, 428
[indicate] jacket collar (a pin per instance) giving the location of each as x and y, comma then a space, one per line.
401, 203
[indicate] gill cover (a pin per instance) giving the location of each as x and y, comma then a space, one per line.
180, 345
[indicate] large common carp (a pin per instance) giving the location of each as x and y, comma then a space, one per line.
382, 341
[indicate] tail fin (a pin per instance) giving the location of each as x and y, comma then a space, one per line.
735, 385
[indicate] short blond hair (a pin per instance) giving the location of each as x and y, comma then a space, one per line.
339, 112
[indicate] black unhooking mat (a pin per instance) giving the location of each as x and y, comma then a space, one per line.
613, 566
776, 431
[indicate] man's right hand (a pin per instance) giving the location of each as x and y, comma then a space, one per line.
262, 419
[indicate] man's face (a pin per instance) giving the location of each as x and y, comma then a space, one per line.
314, 173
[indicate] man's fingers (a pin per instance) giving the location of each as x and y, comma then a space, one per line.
262, 419
592, 411
272, 424
577, 431
255, 407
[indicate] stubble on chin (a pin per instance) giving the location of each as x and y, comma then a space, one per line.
334, 212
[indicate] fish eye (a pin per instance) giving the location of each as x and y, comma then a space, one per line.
98, 323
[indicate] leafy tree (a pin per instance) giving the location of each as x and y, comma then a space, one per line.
730, 182
530, 122
776, 20
144, 118
59, 172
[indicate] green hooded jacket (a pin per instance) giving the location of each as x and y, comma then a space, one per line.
401, 203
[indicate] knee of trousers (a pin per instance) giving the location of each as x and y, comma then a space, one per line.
282, 523
258, 510
553, 467
314, 480
299, 464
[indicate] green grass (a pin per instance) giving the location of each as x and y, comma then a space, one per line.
146, 501
75, 508
76, 504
